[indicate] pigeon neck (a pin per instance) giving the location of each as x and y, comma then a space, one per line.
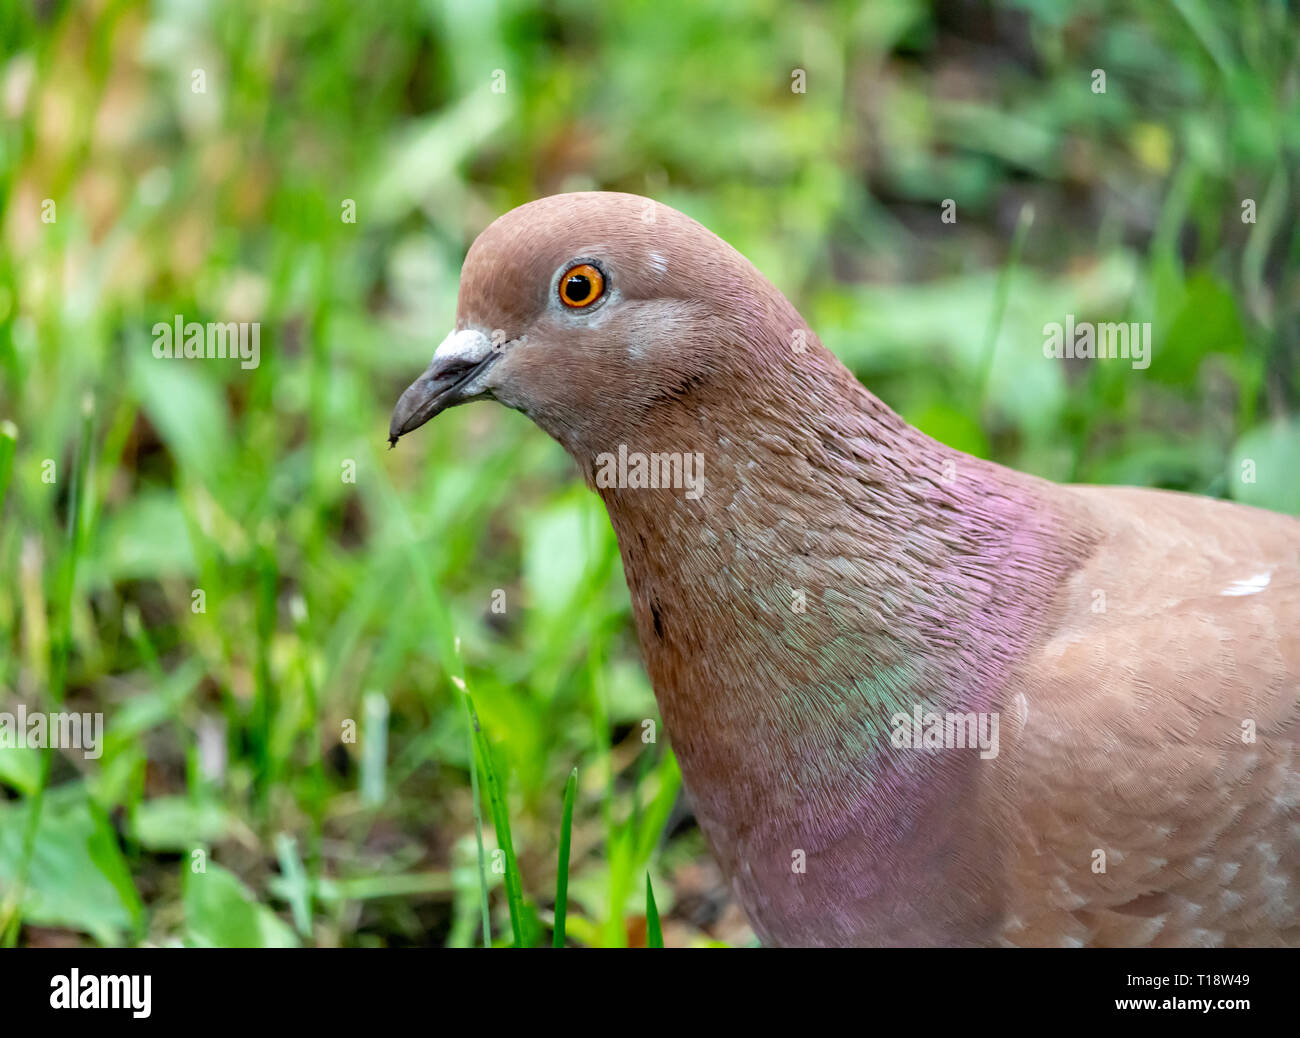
833, 569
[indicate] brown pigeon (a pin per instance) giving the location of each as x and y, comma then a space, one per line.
917, 698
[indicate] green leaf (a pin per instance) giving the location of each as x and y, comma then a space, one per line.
955, 428
146, 538
177, 823
220, 912
187, 409
1206, 321
20, 768
555, 549
78, 878
1264, 466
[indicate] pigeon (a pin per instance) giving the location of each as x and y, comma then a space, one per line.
918, 698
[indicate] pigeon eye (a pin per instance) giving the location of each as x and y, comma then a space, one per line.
581, 286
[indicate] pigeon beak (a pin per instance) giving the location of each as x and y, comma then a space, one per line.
451, 378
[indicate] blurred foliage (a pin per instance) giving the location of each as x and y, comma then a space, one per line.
131, 195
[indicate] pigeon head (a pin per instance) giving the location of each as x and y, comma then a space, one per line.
590, 311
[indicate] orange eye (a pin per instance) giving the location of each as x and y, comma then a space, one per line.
581, 286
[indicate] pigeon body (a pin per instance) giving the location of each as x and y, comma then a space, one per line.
839, 582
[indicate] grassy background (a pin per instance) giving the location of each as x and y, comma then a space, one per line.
332, 607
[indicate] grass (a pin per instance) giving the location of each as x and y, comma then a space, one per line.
61, 648
278, 617
8, 443
562, 860
501, 823
654, 933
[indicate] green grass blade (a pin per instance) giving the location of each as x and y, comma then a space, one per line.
1023, 223
265, 694
459, 681
61, 649
562, 865
374, 749
8, 442
501, 821
296, 888
654, 934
